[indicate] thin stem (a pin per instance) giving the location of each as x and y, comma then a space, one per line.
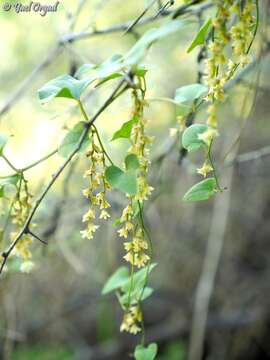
46, 157
209, 156
36, 237
9, 163
30, 166
131, 281
102, 146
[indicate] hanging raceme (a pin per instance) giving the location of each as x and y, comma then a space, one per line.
232, 34
19, 212
138, 245
98, 185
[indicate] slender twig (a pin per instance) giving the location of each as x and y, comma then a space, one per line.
133, 24
37, 237
9, 163
182, 10
30, 166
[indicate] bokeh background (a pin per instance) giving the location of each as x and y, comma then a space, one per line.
57, 311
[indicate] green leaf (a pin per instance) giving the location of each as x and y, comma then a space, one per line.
139, 71
109, 77
84, 69
201, 191
111, 65
186, 95
138, 279
3, 142
64, 86
124, 131
116, 280
121, 279
123, 181
72, 139
138, 51
136, 295
11, 180
190, 138
199, 39
132, 162
146, 353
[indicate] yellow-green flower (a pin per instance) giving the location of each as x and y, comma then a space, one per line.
205, 169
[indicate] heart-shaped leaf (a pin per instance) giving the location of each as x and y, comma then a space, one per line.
116, 280
72, 139
190, 138
123, 181
146, 353
64, 86
199, 39
201, 191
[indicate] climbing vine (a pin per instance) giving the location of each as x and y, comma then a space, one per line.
226, 39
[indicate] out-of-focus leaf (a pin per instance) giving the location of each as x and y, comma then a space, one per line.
132, 162
8, 181
72, 139
3, 142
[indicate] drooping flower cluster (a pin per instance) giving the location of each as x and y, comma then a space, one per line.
132, 320
230, 42
140, 142
97, 188
137, 248
19, 214
232, 28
